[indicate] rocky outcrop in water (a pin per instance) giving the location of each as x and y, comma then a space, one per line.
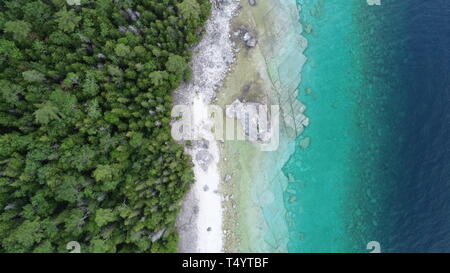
247, 36
249, 40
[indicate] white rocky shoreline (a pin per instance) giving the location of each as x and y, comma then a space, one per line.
200, 222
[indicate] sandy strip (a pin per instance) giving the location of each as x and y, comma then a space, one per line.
200, 222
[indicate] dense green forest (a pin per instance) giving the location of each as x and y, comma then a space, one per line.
86, 153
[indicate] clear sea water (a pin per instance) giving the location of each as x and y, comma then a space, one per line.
377, 89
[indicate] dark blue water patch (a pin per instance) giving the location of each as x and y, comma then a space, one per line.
415, 214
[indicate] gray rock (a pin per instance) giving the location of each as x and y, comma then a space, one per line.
209, 229
247, 36
249, 39
204, 158
203, 143
252, 42
252, 2
246, 88
218, 4
227, 178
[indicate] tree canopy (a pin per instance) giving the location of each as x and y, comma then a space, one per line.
86, 153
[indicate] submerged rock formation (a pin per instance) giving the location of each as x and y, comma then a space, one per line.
283, 47
252, 2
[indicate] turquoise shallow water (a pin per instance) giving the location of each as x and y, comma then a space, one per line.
328, 178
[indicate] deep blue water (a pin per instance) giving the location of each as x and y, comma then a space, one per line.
407, 65
415, 216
